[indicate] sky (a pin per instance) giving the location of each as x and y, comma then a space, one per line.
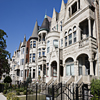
18, 17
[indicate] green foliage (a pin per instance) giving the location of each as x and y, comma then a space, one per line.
24, 92
10, 96
4, 54
4, 91
6, 85
16, 98
7, 79
17, 92
21, 89
95, 88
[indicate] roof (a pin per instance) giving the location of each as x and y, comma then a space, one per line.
19, 46
35, 30
45, 24
24, 42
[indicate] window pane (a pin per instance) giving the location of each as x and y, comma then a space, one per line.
70, 39
43, 53
67, 70
72, 69
55, 43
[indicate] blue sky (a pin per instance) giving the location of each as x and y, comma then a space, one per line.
17, 18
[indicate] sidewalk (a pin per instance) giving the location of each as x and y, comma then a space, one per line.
2, 97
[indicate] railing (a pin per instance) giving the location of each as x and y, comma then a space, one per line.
62, 92
84, 42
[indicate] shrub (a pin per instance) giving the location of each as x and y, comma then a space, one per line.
95, 87
6, 85
10, 96
17, 93
5, 91
17, 90
24, 92
16, 98
21, 89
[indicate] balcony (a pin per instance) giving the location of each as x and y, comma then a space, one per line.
83, 42
42, 58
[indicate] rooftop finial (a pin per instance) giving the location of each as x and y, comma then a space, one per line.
45, 13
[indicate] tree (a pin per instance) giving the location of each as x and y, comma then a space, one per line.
7, 79
95, 89
4, 54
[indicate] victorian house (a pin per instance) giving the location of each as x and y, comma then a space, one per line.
65, 48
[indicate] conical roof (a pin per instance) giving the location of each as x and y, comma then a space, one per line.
45, 24
24, 42
35, 30
20, 45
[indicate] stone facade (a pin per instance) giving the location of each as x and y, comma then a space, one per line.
65, 48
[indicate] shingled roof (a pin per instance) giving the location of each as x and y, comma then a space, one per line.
45, 24
35, 30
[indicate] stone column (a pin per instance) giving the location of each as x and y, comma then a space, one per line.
91, 66
64, 70
89, 25
78, 33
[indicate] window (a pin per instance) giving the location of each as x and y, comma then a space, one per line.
69, 67
34, 44
39, 54
31, 44
43, 48
74, 34
65, 33
30, 57
74, 7
69, 12
23, 50
70, 39
44, 70
33, 57
61, 25
47, 72
65, 41
57, 27
48, 46
55, 43
22, 61
43, 53
14, 66
21, 73
47, 64
33, 73
61, 42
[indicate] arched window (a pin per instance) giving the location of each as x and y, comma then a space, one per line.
48, 46
69, 67
70, 36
